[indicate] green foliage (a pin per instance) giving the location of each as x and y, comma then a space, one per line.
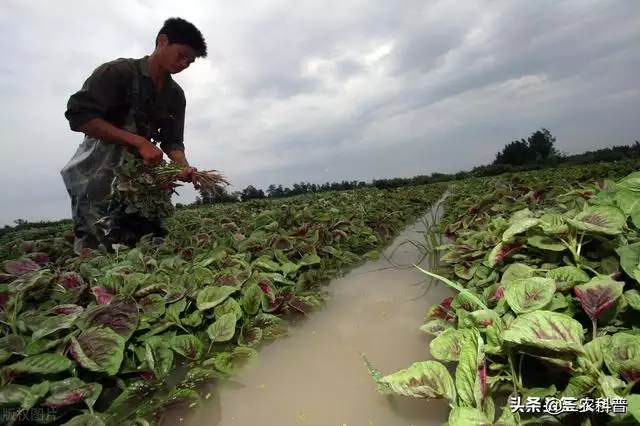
558, 318
110, 337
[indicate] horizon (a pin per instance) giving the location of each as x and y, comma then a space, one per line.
358, 92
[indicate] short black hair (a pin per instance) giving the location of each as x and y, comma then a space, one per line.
180, 31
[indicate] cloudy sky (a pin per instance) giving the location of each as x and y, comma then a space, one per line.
327, 90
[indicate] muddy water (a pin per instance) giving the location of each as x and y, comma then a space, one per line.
316, 377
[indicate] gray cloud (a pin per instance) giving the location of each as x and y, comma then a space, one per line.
324, 91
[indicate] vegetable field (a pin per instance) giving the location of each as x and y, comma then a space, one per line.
109, 338
547, 266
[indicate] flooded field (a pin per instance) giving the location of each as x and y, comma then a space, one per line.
316, 376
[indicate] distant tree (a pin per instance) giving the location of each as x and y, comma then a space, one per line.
251, 193
220, 196
541, 146
515, 153
537, 149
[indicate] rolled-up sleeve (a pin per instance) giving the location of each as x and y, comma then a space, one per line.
105, 87
174, 132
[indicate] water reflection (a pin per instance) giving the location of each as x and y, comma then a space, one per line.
316, 377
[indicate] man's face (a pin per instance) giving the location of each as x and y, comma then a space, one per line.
176, 57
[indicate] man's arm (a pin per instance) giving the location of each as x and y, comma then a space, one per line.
105, 131
86, 109
179, 157
173, 144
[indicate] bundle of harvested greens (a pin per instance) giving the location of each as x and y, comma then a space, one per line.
147, 190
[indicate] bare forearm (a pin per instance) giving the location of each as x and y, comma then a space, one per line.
178, 157
105, 131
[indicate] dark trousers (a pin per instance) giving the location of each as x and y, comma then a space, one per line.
96, 222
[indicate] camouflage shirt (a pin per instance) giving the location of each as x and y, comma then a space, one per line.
122, 93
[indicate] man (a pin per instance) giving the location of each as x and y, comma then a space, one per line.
127, 105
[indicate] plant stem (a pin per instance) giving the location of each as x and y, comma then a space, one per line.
590, 269
628, 388
514, 377
594, 331
520, 370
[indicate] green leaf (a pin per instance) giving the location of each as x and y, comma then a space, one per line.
598, 295
628, 201
558, 302
197, 375
539, 392
132, 396
52, 324
194, 319
467, 378
252, 299
507, 418
153, 305
223, 329
231, 362
529, 294
47, 363
36, 347
462, 270
188, 345
99, 349
264, 262
607, 220
289, 268
633, 298
580, 386
310, 259
229, 306
489, 408
425, 379
494, 339
467, 416
629, 257
622, 355
633, 405
175, 309
250, 336
86, 420
13, 394
71, 391
212, 296
519, 227
594, 353
447, 346
159, 355
630, 182
436, 326
120, 315
520, 215
516, 271
480, 319
566, 277
272, 326
553, 223
11, 344
546, 242
611, 386
546, 330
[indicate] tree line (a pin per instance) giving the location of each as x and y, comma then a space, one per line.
538, 151
535, 152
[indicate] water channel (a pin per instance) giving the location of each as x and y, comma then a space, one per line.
316, 376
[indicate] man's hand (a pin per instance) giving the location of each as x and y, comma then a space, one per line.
151, 154
187, 173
